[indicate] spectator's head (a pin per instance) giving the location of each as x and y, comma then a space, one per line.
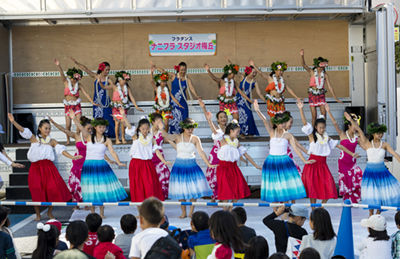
165, 225
279, 256
71, 254
55, 223
93, 221
257, 248
376, 225
240, 215
151, 213
397, 219
309, 253
77, 233
105, 233
298, 214
4, 212
46, 242
224, 230
128, 223
320, 222
199, 221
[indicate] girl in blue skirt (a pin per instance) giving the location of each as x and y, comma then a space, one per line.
98, 181
187, 180
280, 181
378, 185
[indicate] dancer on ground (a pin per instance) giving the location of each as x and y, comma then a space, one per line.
317, 177
316, 91
45, 182
121, 95
228, 89
72, 86
275, 89
187, 180
231, 183
280, 181
350, 174
143, 178
98, 181
247, 84
179, 84
74, 181
100, 95
378, 185
163, 95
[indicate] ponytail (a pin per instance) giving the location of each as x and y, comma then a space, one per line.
46, 243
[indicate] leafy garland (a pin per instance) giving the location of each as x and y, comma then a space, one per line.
123, 75
75, 73
372, 130
318, 61
284, 119
161, 77
188, 126
278, 66
231, 68
96, 122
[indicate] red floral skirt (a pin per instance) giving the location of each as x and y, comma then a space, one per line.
316, 100
233, 108
275, 108
76, 108
116, 113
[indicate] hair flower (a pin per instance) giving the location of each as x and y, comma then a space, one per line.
102, 66
248, 70
176, 68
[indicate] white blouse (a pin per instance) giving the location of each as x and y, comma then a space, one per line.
139, 150
4, 159
228, 152
376, 155
278, 148
317, 148
95, 151
186, 150
40, 151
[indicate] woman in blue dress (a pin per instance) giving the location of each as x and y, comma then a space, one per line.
247, 84
180, 82
100, 95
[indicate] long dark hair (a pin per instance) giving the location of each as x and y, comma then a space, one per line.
46, 244
378, 235
231, 126
224, 229
105, 63
39, 133
186, 121
84, 121
323, 229
310, 253
317, 121
257, 248
141, 123
94, 131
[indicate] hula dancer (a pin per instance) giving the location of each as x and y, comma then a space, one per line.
180, 84
5, 158
163, 95
187, 180
98, 181
227, 89
44, 180
316, 91
280, 181
121, 95
275, 88
72, 86
317, 177
350, 174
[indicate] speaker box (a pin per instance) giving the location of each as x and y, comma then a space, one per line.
25, 120
359, 111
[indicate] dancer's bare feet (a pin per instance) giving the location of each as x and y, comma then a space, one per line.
50, 215
183, 216
68, 143
117, 142
38, 218
123, 141
103, 217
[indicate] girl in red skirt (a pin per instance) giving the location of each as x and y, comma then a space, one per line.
143, 179
231, 183
317, 177
44, 180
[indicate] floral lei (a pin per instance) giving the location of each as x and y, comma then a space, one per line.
233, 143
322, 139
319, 83
229, 86
180, 87
76, 86
146, 141
282, 88
42, 140
123, 95
161, 105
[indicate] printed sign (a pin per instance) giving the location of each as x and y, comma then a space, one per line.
182, 44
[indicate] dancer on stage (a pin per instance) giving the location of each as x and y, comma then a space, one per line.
227, 89
187, 180
100, 95
74, 181
72, 86
45, 182
163, 95
275, 89
317, 177
378, 185
5, 158
247, 84
179, 83
98, 181
350, 174
280, 181
231, 183
121, 95
143, 178
316, 91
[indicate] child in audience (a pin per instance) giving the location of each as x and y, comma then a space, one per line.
279, 255
241, 217
128, 225
257, 248
151, 216
61, 244
93, 221
224, 230
76, 234
46, 242
377, 244
7, 250
396, 238
201, 243
106, 235
323, 239
309, 253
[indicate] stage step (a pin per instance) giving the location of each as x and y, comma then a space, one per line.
20, 192
26, 163
21, 154
19, 179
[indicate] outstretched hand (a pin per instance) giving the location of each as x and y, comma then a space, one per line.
201, 103
152, 68
300, 104
207, 67
251, 62
356, 155
122, 165
256, 106
10, 117
122, 111
309, 162
77, 157
160, 124
57, 62
167, 163
16, 165
208, 116
302, 52
71, 114
347, 116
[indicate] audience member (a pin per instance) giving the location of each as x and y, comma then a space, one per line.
71, 254
93, 221
279, 255
128, 224
77, 233
105, 235
46, 242
61, 244
396, 238
7, 245
241, 217
257, 248
201, 242
309, 253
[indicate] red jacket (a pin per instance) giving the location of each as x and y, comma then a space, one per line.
91, 244
102, 249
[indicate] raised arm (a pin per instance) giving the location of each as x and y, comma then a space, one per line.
331, 88
153, 84
87, 95
133, 99
337, 128
113, 153
85, 134
62, 129
300, 104
391, 151
202, 153
209, 120
171, 75
216, 79
21, 129
259, 92
60, 149
57, 62
303, 62
242, 93
84, 68
363, 139
251, 62
166, 135
266, 122
192, 89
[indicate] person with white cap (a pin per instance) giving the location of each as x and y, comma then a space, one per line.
378, 244
5, 158
298, 214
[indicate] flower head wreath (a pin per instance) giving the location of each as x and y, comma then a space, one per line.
188, 126
284, 119
96, 122
354, 117
161, 77
123, 75
376, 128
45, 118
231, 68
320, 62
75, 73
102, 66
276, 66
